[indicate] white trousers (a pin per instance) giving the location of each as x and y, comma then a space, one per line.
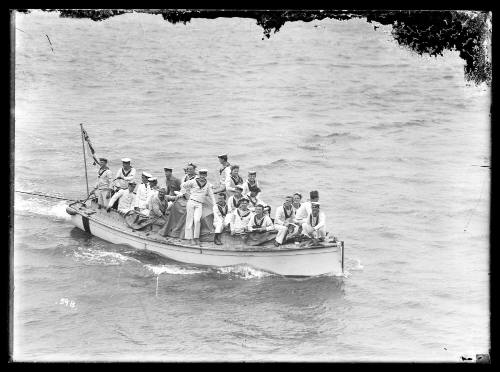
219, 224
309, 231
193, 217
102, 197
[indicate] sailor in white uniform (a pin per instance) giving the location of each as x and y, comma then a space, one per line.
190, 173
297, 201
260, 222
126, 198
104, 184
253, 199
284, 216
143, 192
124, 175
314, 227
224, 172
153, 189
221, 217
250, 183
233, 180
198, 189
305, 209
240, 217
232, 201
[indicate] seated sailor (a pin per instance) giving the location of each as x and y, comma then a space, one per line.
199, 189
267, 212
190, 173
233, 180
240, 217
143, 192
314, 227
259, 222
158, 205
254, 199
284, 216
154, 188
250, 182
305, 209
125, 197
171, 183
232, 201
221, 217
104, 184
297, 201
224, 172
125, 174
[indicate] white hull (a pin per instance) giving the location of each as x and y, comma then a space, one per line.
290, 262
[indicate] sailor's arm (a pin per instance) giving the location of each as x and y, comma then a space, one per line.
114, 198
228, 184
250, 223
321, 222
268, 224
279, 217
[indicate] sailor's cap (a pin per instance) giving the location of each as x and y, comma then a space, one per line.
203, 170
315, 205
238, 187
146, 174
167, 169
222, 156
103, 159
132, 182
126, 160
252, 172
152, 179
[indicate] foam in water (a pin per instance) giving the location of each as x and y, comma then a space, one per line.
42, 207
172, 269
243, 272
100, 257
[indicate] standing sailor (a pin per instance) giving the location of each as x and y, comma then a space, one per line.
171, 183
254, 199
125, 197
233, 200
233, 180
104, 183
240, 217
260, 222
221, 217
190, 173
143, 192
250, 183
224, 172
314, 227
124, 175
305, 209
199, 189
284, 216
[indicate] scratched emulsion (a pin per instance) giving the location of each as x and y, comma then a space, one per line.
394, 143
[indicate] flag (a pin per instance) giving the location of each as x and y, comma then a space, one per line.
87, 139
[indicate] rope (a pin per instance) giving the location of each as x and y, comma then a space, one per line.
45, 195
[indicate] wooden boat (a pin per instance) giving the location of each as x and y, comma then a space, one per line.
290, 259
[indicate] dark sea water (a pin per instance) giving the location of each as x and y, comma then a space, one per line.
391, 140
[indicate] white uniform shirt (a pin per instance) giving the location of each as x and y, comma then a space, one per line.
230, 184
267, 223
218, 217
238, 223
280, 217
152, 193
225, 173
231, 201
198, 193
143, 192
253, 202
320, 223
303, 212
104, 180
186, 178
127, 200
123, 183
246, 188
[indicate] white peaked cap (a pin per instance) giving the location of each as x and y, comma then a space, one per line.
150, 179
203, 170
126, 160
146, 174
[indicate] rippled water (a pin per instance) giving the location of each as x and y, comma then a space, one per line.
392, 140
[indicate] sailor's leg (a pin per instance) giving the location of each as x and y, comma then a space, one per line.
197, 219
321, 233
189, 219
307, 230
281, 233
218, 225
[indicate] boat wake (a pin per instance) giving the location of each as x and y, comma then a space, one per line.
41, 207
91, 256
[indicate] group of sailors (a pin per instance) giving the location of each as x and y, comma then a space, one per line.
237, 205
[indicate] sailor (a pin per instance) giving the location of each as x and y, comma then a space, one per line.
250, 183
190, 173
154, 188
232, 201
199, 189
284, 216
240, 217
125, 174
126, 198
314, 227
297, 201
103, 187
158, 205
224, 172
221, 217
267, 212
143, 192
259, 222
254, 199
171, 183
233, 180
305, 209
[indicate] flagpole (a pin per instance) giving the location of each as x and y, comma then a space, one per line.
84, 159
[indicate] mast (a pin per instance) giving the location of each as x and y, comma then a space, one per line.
84, 159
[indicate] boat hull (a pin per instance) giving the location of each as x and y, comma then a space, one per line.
288, 262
